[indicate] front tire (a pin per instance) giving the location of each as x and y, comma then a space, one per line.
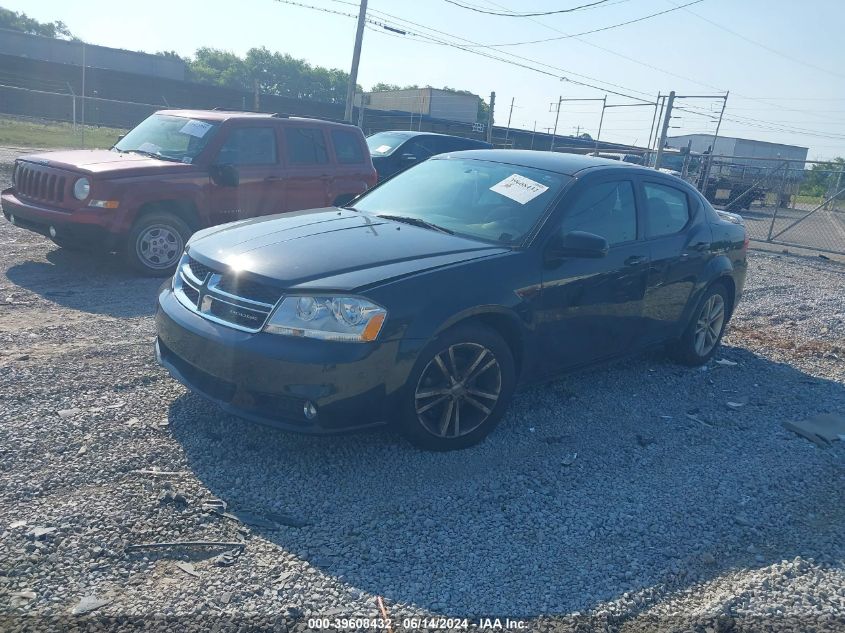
460, 388
703, 335
156, 243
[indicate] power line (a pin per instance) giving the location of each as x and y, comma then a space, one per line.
599, 30
526, 15
760, 44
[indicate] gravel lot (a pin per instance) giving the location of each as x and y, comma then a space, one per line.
598, 501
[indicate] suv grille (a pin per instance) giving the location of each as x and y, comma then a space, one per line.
40, 183
222, 297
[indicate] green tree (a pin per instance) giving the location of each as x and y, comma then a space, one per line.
15, 21
822, 177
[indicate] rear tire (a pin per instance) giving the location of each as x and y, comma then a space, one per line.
703, 335
156, 243
459, 389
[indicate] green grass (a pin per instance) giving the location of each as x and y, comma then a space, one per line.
23, 133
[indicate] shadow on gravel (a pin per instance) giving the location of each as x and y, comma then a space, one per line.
89, 282
655, 502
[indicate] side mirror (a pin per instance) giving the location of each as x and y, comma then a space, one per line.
408, 158
120, 138
225, 175
580, 244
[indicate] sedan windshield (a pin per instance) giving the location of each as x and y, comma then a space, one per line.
168, 137
494, 202
384, 143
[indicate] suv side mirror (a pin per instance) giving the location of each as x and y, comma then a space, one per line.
225, 175
579, 244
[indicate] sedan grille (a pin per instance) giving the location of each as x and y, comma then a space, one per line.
223, 297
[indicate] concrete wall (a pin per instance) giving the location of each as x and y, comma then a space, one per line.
46, 49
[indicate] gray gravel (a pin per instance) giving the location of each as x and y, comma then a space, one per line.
629, 494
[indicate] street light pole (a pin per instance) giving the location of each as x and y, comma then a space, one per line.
356, 57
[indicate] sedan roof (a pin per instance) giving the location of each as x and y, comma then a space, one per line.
569, 164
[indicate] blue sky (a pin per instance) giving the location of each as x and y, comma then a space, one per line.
781, 60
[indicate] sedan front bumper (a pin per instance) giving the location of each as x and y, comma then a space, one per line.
270, 378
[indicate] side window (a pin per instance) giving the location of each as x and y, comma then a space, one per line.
347, 147
306, 146
607, 209
249, 146
421, 147
667, 209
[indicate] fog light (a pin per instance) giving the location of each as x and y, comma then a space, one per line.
52, 231
310, 410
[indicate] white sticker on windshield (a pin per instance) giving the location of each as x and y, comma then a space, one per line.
196, 128
152, 148
381, 149
519, 188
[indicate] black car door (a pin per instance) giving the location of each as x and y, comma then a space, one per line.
679, 244
592, 307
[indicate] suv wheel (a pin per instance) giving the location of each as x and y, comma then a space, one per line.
459, 389
703, 335
156, 243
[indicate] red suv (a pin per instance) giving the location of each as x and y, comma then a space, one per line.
182, 170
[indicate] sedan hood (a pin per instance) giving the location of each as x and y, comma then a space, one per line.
102, 161
330, 249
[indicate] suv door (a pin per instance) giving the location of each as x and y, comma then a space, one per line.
308, 171
253, 151
592, 308
679, 244
350, 162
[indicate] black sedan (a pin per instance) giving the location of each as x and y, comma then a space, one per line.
396, 151
427, 302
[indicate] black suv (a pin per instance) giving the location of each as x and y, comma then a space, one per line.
393, 152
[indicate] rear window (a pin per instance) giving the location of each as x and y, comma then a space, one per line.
347, 148
306, 146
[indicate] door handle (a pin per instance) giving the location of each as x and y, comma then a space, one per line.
272, 178
634, 260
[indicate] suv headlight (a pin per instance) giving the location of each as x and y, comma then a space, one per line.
330, 318
81, 188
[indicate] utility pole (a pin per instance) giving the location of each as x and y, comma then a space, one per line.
534, 133
490, 117
664, 129
653, 121
715, 136
601, 120
508, 129
83, 95
557, 115
356, 57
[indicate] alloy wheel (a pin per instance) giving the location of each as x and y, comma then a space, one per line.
458, 390
159, 246
709, 324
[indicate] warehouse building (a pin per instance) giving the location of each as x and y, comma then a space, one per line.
742, 156
426, 102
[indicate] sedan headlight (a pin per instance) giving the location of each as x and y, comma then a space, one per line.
81, 189
330, 318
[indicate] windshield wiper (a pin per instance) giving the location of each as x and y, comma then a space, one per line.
416, 222
154, 155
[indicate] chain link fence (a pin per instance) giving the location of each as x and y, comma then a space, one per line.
783, 202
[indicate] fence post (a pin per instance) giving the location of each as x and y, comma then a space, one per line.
785, 165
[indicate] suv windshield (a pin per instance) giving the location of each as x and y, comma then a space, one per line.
384, 143
494, 202
168, 137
